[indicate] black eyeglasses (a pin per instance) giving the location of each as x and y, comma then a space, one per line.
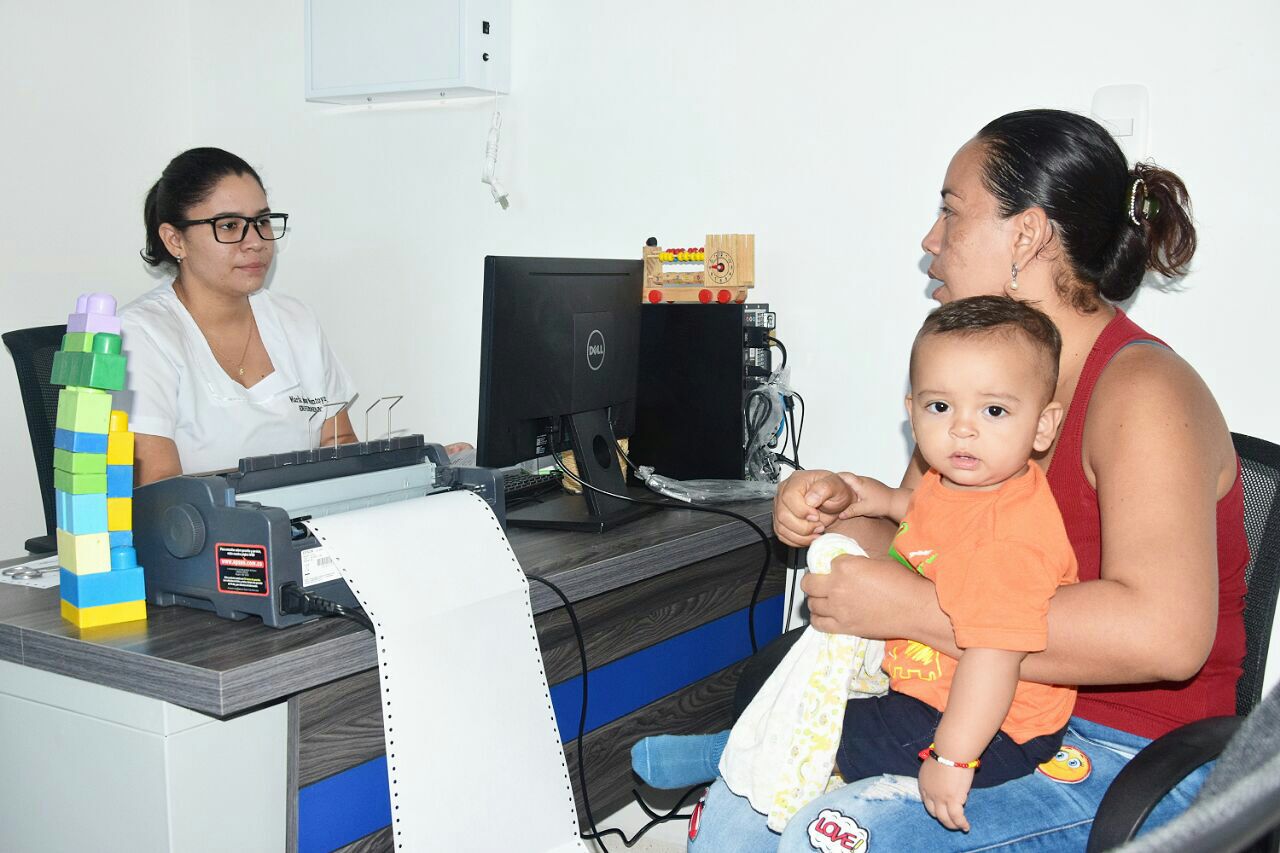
233, 229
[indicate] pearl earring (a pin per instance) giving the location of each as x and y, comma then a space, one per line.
1013, 285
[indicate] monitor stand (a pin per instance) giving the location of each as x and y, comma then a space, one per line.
595, 449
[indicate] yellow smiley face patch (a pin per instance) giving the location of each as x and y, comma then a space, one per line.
1068, 766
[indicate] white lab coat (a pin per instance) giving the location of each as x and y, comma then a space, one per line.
176, 389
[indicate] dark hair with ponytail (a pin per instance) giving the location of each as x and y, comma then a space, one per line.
185, 182
1070, 166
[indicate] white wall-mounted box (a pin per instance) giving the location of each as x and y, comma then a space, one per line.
406, 50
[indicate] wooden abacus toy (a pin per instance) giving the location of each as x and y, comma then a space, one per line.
728, 270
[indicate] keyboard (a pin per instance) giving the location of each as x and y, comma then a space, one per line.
520, 485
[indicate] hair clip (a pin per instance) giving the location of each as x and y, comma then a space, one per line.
1134, 208
1150, 207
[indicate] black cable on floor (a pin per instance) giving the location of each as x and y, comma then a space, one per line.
672, 814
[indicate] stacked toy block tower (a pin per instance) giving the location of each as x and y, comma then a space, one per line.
102, 583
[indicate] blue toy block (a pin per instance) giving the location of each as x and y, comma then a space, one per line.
79, 442
114, 587
120, 539
119, 481
79, 514
123, 559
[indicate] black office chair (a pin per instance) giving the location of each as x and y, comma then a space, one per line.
1240, 800
1165, 762
32, 351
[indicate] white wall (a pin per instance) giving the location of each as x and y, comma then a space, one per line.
825, 132
96, 100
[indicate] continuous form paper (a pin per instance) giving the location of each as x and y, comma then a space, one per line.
474, 760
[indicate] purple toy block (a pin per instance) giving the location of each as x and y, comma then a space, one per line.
95, 312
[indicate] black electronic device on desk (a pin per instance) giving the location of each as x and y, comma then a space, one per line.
558, 349
230, 542
698, 364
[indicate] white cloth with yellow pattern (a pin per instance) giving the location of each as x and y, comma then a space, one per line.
781, 753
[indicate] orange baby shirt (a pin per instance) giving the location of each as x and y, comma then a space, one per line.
995, 559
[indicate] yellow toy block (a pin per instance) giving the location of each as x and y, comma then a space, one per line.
84, 554
119, 513
119, 448
119, 439
105, 614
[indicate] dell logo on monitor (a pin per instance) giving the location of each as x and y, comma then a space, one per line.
595, 349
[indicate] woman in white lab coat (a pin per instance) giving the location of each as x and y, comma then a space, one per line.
219, 367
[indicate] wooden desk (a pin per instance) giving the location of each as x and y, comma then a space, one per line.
654, 598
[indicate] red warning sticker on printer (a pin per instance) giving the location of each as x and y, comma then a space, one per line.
242, 569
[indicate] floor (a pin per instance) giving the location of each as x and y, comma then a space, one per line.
668, 837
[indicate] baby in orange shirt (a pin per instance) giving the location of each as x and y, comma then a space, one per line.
984, 527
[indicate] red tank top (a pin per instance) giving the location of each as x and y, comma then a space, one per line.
1150, 710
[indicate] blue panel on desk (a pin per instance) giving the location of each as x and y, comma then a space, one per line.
349, 805
343, 808
618, 688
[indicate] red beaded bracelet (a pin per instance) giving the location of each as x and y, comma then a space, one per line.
928, 753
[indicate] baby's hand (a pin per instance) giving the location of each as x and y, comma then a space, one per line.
870, 496
944, 791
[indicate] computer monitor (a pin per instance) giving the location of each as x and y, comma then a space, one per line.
558, 354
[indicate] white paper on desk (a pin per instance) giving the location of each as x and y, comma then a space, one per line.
474, 759
49, 577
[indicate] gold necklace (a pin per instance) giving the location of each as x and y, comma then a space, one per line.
217, 353
248, 340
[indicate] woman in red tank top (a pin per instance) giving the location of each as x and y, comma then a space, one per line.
1041, 206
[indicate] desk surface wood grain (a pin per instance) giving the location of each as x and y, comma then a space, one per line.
194, 659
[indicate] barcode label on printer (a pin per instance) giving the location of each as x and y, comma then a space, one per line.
318, 567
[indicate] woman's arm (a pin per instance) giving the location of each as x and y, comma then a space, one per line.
341, 425
154, 458
1160, 454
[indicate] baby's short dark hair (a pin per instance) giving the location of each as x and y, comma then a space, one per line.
997, 315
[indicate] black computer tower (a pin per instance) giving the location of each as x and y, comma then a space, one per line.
696, 365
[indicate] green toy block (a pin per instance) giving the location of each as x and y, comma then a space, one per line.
66, 367
79, 463
80, 484
77, 342
84, 410
102, 370
106, 343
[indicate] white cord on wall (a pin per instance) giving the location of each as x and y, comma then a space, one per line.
491, 162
